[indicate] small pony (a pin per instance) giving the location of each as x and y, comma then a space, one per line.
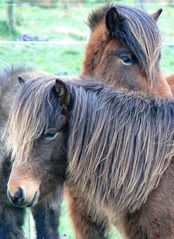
46, 212
117, 155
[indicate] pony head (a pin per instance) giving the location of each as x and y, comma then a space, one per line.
39, 142
124, 49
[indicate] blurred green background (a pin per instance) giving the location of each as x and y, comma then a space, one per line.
58, 32
63, 24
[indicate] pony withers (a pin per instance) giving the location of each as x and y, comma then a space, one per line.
112, 143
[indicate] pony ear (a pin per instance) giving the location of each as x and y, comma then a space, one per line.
112, 20
62, 92
21, 80
156, 14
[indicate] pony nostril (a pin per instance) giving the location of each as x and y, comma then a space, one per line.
17, 198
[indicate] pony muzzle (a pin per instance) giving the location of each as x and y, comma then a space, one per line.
18, 198
24, 194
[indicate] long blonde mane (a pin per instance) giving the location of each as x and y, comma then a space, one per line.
120, 145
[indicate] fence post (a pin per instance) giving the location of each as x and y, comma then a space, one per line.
10, 15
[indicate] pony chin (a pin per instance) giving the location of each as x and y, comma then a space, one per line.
34, 200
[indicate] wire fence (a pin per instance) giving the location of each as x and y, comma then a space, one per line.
61, 43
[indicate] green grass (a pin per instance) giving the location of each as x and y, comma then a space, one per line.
167, 60
5, 31
63, 22
56, 59
55, 23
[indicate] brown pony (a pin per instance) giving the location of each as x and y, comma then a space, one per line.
46, 212
124, 49
117, 154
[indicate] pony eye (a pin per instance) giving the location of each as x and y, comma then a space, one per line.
127, 60
51, 134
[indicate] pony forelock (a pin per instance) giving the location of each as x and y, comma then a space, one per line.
29, 117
